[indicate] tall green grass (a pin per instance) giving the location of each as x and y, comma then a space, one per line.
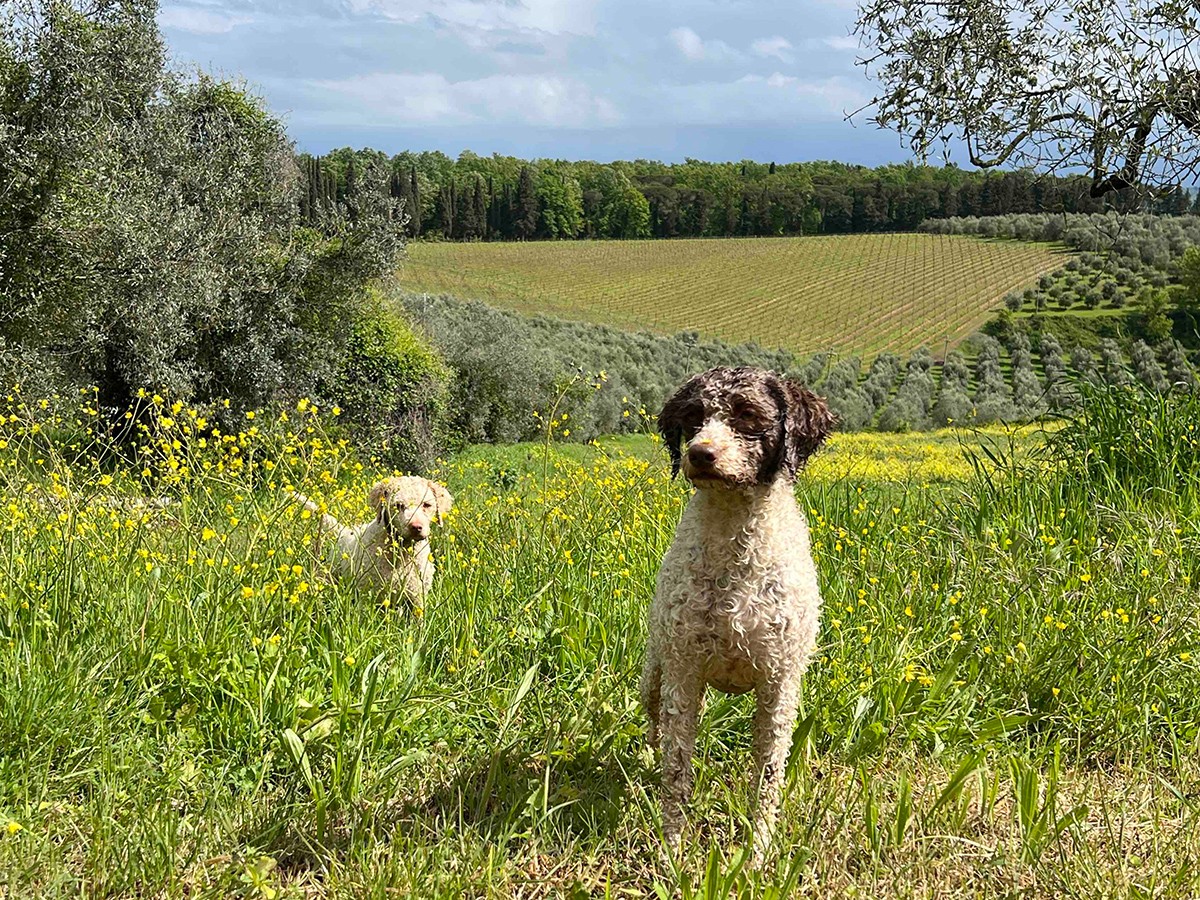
1006, 700
1131, 444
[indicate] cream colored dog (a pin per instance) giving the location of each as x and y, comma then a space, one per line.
391, 552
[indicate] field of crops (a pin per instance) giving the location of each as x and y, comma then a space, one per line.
853, 293
1006, 699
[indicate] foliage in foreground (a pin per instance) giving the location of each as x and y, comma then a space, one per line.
151, 228
1007, 683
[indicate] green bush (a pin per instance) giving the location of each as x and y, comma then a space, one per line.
394, 391
911, 407
152, 233
506, 367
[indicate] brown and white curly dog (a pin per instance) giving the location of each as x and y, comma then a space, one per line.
737, 603
391, 552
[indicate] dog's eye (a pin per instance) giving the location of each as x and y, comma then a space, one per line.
427, 505
745, 418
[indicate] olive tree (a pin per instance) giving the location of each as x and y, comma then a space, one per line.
1109, 87
149, 221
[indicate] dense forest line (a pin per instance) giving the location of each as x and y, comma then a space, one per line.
505, 198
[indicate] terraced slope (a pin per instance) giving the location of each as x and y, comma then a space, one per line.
851, 293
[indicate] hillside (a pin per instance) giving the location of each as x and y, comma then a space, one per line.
853, 294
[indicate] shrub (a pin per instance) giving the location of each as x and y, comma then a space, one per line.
1156, 325
507, 366
845, 397
1027, 389
394, 391
1147, 369
953, 401
812, 371
993, 402
1179, 370
881, 376
1084, 365
154, 241
1112, 364
1060, 395
910, 409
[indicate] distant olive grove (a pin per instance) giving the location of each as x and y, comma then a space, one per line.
609, 380
1146, 261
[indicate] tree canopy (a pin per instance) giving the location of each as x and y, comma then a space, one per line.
1106, 87
150, 230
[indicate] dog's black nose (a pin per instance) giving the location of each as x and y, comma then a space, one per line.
700, 455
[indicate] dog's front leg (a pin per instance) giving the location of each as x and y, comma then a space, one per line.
774, 721
651, 693
681, 698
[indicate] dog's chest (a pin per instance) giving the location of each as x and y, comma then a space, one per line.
736, 589
739, 610
738, 596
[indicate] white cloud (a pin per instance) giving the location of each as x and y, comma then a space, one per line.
687, 42
695, 48
397, 99
778, 47
841, 42
548, 16
200, 21
755, 99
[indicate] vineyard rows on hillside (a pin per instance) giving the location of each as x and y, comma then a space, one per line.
859, 294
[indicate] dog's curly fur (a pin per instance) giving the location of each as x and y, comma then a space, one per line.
737, 603
391, 552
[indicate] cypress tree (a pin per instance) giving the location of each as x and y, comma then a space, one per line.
480, 210
527, 207
414, 191
464, 214
493, 209
445, 211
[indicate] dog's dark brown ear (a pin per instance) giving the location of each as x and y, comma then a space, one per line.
807, 422
681, 407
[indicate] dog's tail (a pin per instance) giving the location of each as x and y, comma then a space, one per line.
328, 522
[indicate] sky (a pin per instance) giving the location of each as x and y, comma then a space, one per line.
570, 79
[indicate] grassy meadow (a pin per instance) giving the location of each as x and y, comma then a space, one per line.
858, 294
1006, 700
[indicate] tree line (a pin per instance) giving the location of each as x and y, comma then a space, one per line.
505, 198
